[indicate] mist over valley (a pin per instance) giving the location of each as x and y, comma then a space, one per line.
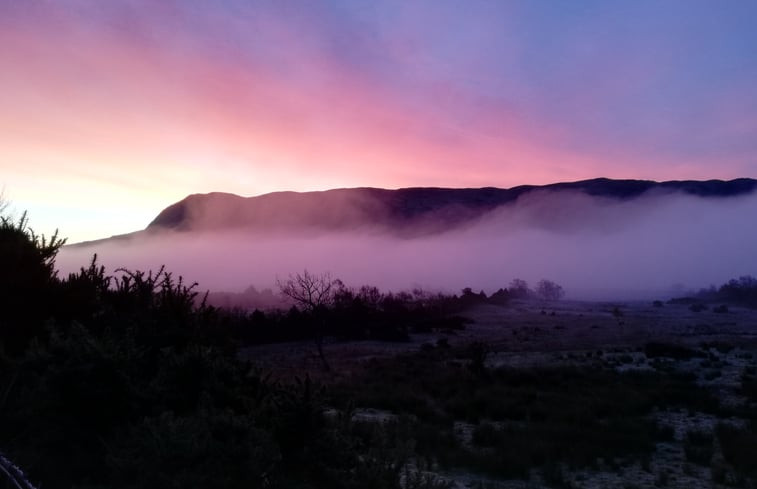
600, 239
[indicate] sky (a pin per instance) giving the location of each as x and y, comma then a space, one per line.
111, 111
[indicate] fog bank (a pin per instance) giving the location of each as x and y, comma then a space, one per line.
595, 248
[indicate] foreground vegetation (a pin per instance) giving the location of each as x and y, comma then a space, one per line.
131, 381
520, 419
126, 381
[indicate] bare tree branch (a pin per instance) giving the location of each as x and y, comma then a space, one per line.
313, 293
310, 291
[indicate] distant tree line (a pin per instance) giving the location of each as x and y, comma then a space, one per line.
739, 291
546, 290
161, 309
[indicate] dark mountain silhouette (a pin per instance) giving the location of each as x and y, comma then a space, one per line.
402, 212
407, 210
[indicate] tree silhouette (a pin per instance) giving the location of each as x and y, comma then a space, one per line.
549, 291
314, 293
519, 289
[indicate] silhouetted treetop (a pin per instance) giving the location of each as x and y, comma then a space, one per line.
549, 291
311, 291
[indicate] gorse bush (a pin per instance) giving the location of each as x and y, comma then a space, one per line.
27, 281
157, 306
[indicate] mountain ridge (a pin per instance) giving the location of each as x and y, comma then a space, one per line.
405, 211
399, 209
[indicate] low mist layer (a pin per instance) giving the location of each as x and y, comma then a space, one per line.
596, 248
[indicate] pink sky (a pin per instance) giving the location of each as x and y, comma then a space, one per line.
110, 113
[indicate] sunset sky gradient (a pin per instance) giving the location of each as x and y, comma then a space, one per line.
110, 111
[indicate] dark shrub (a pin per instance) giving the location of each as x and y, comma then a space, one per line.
698, 447
27, 281
668, 350
739, 446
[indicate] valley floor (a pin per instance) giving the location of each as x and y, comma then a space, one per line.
716, 351
534, 333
